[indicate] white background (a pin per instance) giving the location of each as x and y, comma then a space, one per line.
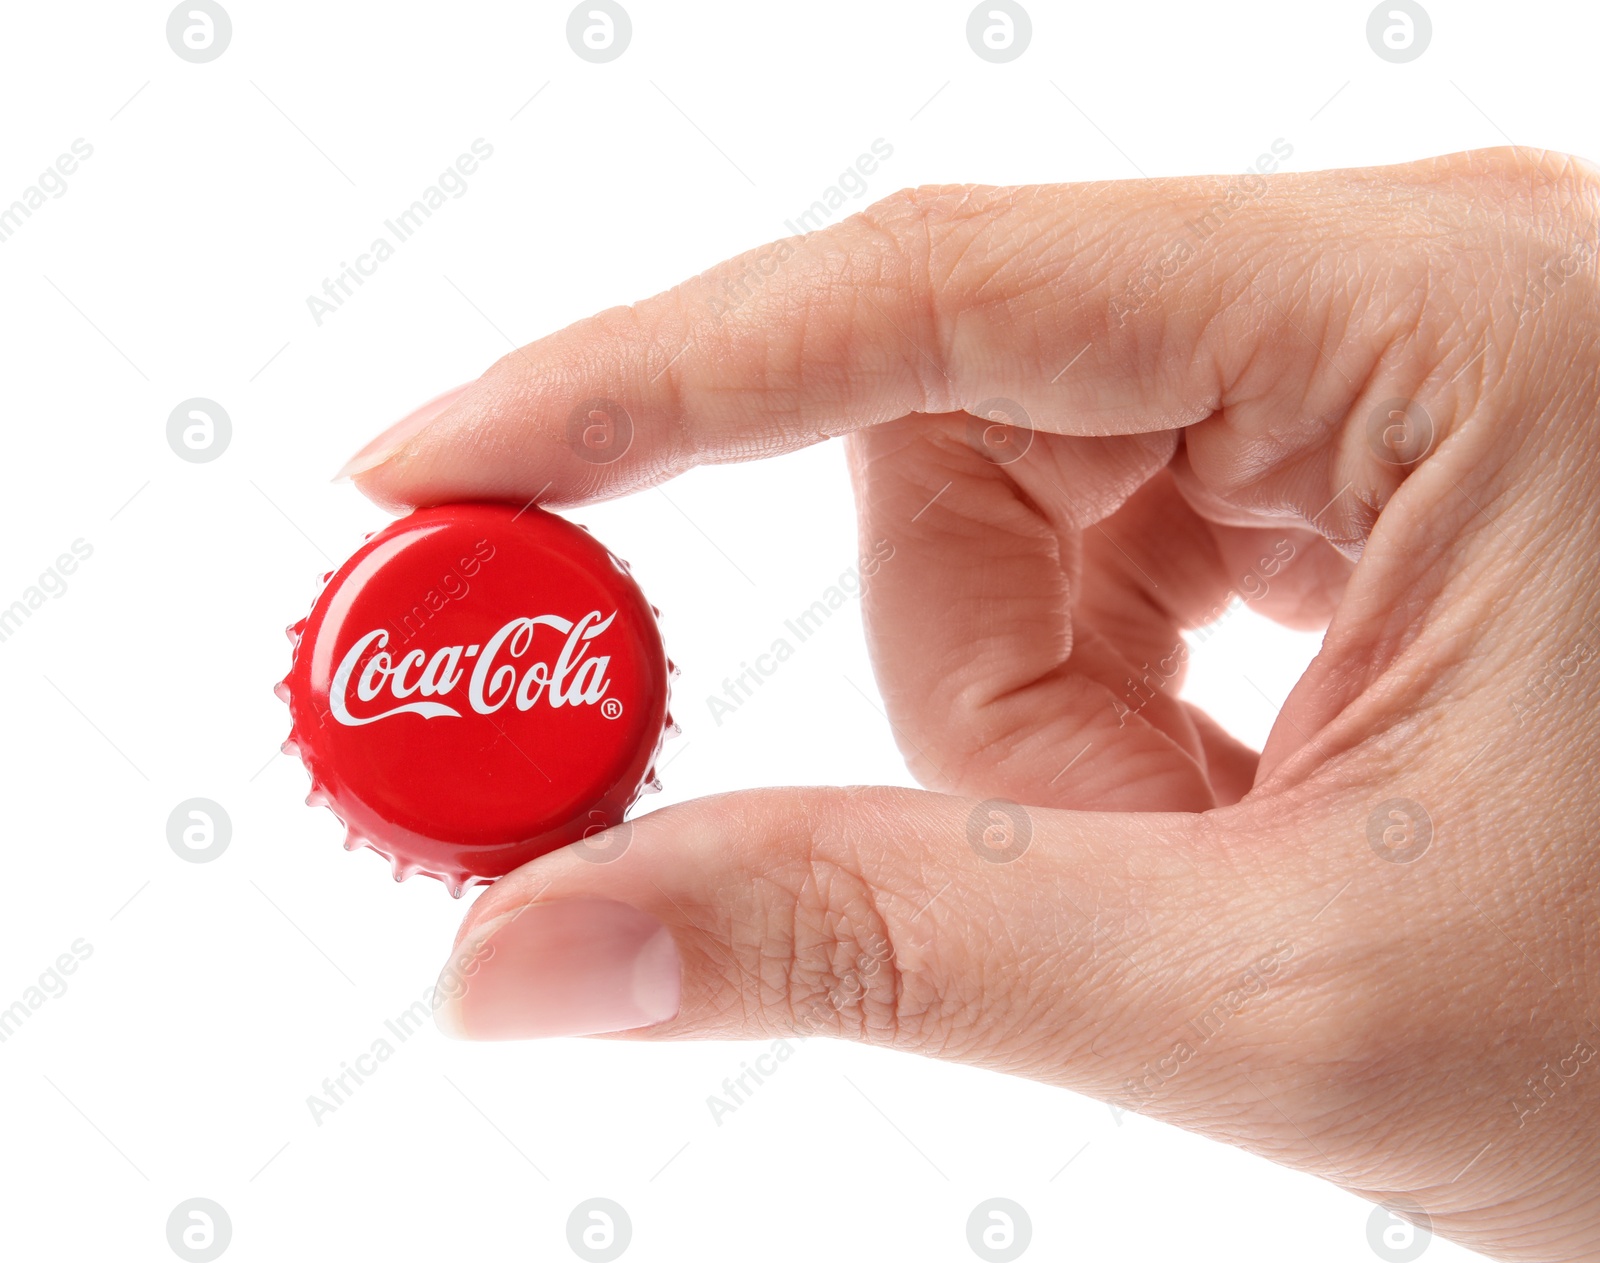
177, 264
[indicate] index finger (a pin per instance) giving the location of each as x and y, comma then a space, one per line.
1078, 309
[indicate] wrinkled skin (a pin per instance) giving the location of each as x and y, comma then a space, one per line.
1213, 417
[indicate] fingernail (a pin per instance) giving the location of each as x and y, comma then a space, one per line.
398, 435
566, 967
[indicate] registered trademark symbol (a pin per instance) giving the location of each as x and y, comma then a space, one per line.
611, 708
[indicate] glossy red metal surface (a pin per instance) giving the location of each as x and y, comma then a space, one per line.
476, 686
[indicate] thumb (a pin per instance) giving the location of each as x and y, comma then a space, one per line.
1010, 937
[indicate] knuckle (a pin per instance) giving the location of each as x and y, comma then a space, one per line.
921, 211
1536, 177
840, 973
829, 959
954, 231
1544, 212
1575, 253
945, 244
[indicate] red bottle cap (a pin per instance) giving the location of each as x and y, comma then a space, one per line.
476, 686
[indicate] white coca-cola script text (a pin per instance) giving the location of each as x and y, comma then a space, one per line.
509, 668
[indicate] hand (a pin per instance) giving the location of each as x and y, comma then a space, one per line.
1368, 395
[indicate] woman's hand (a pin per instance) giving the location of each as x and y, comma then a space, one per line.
1369, 952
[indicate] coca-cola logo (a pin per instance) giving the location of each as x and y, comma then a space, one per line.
545, 658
